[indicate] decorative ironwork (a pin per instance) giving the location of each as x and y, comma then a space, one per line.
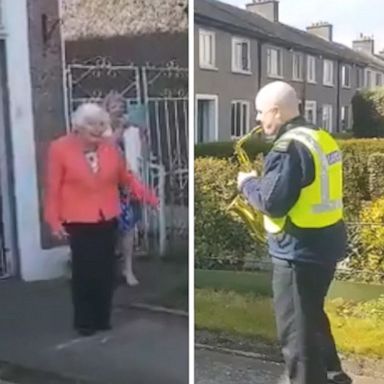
169, 81
93, 80
164, 92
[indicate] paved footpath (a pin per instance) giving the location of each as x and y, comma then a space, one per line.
222, 368
38, 346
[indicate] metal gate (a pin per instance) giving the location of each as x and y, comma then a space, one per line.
92, 81
163, 93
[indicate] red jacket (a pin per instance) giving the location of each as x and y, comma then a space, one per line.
75, 194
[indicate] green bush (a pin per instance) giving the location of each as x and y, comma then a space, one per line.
368, 258
356, 153
376, 175
221, 241
224, 149
368, 113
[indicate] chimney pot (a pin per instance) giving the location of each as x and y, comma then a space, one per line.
269, 9
321, 29
365, 44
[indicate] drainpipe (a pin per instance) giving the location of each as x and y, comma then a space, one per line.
304, 93
259, 63
338, 96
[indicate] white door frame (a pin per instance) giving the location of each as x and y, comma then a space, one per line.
6, 195
35, 263
215, 99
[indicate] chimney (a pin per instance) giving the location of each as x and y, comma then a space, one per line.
321, 29
365, 44
266, 8
381, 54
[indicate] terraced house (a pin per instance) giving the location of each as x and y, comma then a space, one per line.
238, 51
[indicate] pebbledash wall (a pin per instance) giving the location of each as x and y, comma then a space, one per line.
35, 115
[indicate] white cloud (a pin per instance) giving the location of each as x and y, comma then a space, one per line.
349, 18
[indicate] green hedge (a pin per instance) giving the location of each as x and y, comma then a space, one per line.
368, 113
376, 175
224, 149
356, 153
222, 241
370, 257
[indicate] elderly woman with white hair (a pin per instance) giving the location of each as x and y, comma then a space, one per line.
82, 204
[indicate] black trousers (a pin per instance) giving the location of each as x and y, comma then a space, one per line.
303, 327
93, 266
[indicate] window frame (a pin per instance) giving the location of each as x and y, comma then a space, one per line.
247, 127
310, 80
236, 40
202, 64
325, 80
300, 61
273, 75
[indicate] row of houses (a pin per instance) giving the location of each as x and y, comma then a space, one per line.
238, 51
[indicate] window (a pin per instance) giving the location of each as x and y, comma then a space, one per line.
206, 129
301, 111
327, 122
311, 69
379, 79
298, 66
275, 62
346, 76
359, 78
207, 49
346, 118
310, 112
368, 79
328, 78
239, 118
241, 55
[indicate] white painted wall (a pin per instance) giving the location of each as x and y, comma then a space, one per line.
35, 263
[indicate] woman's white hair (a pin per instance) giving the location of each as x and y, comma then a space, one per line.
89, 113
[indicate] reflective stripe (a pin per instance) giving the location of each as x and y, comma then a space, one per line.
326, 204
328, 207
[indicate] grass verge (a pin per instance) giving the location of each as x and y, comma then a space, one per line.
357, 330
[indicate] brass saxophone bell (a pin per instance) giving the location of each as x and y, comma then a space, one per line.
239, 207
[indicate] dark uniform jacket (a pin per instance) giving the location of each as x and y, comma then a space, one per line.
287, 169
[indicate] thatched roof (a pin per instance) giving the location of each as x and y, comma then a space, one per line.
107, 18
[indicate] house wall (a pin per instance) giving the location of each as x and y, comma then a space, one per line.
229, 86
24, 87
224, 83
46, 66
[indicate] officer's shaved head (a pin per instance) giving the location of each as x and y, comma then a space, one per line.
276, 104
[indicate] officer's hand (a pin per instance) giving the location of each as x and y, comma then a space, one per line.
242, 177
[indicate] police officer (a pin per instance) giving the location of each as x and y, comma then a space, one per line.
300, 195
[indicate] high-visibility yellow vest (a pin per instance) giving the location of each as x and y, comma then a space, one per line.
320, 204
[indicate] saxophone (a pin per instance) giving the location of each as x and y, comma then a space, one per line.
239, 207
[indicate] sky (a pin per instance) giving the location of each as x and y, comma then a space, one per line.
349, 17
